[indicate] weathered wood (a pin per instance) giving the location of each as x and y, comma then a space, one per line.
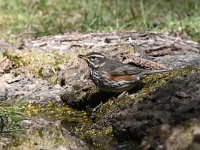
148, 42
171, 103
148, 50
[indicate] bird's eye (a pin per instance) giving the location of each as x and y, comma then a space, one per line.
92, 57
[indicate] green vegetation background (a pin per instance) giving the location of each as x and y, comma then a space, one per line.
46, 17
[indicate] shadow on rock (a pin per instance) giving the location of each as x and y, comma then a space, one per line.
175, 103
78, 100
90, 101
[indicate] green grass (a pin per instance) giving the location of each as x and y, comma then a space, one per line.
10, 117
46, 17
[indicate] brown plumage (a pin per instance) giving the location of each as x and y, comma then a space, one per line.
113, 76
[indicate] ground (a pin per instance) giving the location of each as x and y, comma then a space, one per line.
45, 78
48, 100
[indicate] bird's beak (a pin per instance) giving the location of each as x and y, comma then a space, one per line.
84, 57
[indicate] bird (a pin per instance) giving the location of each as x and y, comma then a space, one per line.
114, 76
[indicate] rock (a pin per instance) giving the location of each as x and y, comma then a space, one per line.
195, 145
3, 94
143, 117
27, 89
138, 121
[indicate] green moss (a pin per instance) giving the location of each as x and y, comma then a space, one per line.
151, 82
100, 139
44, 132
156, 80
42, 64
16, 60
77, 122
52, 110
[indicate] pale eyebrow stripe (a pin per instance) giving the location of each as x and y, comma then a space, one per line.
96, 55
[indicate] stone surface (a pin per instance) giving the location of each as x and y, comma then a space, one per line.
143, 120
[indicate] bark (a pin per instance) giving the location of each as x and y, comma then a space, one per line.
136, 117
148, 50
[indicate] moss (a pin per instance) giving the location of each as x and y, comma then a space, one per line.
151, 82
41, 132
77, 122
16, 60
48, 137
42, 64
100, 139
51, 110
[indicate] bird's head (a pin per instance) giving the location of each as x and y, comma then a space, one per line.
94, 59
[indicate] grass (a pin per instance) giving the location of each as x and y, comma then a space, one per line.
20, 18
10, 117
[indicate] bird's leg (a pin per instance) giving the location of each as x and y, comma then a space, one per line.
97, 107
123, 94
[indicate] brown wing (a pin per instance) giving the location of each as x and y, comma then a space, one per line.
125, 72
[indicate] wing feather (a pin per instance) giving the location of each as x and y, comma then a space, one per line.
125, 70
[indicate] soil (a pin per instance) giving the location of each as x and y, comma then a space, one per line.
175, 104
